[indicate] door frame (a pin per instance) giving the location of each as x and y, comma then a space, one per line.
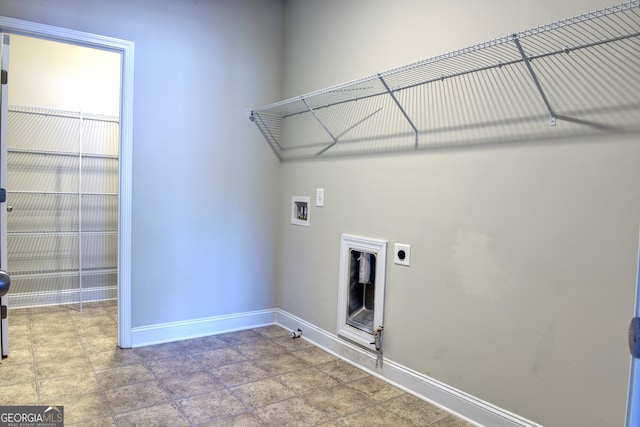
126, 49
633, 402
4, 103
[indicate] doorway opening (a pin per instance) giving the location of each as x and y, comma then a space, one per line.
124, 205
62, 173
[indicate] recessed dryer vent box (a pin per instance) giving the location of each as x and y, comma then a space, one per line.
300, 214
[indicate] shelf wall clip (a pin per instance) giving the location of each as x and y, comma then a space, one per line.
527, 62
404, 113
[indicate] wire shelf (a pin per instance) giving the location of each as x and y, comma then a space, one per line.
63, 197
30, 253
573, 77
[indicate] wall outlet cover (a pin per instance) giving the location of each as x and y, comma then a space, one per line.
402, 254
319, 196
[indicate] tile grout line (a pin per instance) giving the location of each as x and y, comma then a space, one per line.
32, 347
174, 401
250, 355
87, 358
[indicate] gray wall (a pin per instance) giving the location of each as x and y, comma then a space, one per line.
205, 186
523, 256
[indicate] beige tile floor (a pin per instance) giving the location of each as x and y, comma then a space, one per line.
256, 377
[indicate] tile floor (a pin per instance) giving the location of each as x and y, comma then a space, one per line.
256, 377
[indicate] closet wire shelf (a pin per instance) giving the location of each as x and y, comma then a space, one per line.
574, 77
62, 206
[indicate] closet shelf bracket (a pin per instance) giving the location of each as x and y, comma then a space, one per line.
335, 140
402, 110
536, 82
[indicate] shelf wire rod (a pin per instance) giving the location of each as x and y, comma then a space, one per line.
339, 136
14, 108
442, 121
510, 110
523, 87
461, 104
450, 115
409, 101
430, 114
489, 86
471, 100
61, 153
266, 129
404, 113
467, 100
506, 78
489, 106
497, 110
358, 123
620, 78
435, 78
451, 111
584, 32
419, 105
480, 60
502, 109
437, 110
629, 49
605, 30
431, 78
335, 140
80, 147
268, 135
550, 50
601, 94
552, 118
577, 45
564, 91
627, 75
43, 112
591, 70
458, 108
434, 91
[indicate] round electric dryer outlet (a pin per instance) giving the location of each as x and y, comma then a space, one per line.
402, 254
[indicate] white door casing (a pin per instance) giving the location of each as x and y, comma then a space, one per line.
126, 49
4, 107
633, 402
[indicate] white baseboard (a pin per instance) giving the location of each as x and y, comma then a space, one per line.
459, 403
175, 331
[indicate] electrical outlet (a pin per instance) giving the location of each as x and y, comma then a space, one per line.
402, 254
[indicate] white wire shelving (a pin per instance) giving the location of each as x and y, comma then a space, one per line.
62, 229
577, 76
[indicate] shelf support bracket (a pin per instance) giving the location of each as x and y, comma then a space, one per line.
527, 62
335, 140
404, 113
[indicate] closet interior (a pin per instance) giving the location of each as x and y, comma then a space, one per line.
62, 218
